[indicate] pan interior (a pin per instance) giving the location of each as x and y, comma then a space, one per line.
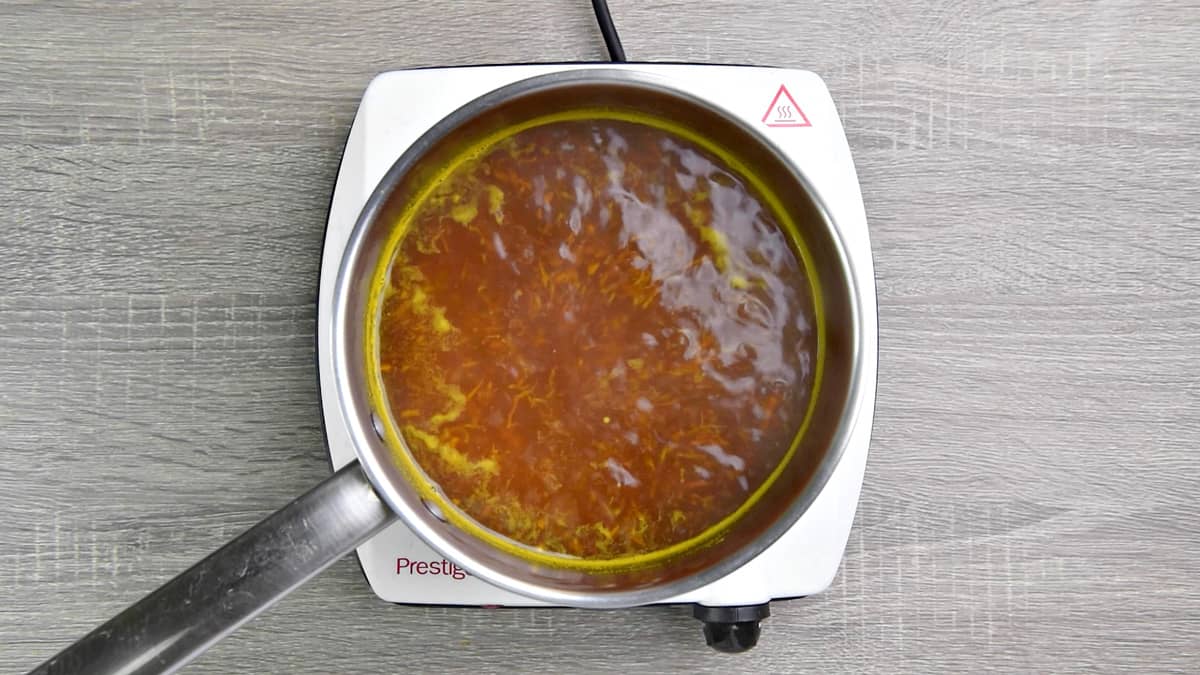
429, 488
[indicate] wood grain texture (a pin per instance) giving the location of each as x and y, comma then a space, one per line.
1029, 171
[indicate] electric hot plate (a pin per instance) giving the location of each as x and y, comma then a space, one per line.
793, 110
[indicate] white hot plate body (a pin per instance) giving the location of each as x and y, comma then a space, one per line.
794, 111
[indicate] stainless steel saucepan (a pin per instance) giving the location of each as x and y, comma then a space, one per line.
188, 614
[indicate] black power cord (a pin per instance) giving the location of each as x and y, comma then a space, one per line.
616, 53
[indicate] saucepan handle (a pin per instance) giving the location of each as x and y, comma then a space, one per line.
189, 613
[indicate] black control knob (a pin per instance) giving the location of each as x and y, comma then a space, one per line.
731, 629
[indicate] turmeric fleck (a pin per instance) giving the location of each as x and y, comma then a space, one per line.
463, 214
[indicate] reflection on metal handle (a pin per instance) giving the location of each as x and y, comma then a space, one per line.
177, 622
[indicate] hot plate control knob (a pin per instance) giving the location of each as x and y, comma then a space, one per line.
731, 629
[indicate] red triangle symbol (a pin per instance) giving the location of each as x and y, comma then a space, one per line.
783, 111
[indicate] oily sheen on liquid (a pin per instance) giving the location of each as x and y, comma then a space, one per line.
596, 339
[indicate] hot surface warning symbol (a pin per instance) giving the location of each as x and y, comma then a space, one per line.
783, 111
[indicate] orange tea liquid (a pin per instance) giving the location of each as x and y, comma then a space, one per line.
596, 339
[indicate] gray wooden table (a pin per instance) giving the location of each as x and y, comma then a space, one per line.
1030, 175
